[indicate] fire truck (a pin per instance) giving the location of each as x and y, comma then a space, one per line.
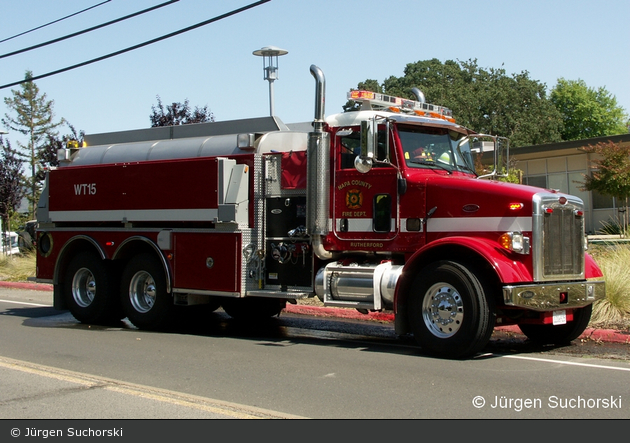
378, 208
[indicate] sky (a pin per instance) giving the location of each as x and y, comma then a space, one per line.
349, 40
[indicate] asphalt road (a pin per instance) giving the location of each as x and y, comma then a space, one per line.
294, 366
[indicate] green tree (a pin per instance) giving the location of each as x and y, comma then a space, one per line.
178, 114
611, 174
34, 118
485, 100
11, 189
587, 112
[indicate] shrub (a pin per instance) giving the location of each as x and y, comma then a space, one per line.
17, 267
614, 261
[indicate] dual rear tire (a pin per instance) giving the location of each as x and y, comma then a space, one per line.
94, 294
89, 291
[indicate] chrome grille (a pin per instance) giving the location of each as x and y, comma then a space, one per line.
559, 237
563, 243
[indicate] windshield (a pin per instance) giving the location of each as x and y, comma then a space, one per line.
426, 147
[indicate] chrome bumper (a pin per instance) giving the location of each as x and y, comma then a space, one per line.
551, 296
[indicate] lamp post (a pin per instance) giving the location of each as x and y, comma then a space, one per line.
270, 56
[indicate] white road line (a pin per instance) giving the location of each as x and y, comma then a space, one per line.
546, 360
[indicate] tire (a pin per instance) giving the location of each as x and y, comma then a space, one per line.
89, 289
560, 334
451, 312
253, 308
145, 301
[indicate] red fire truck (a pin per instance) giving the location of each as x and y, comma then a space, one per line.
374, 209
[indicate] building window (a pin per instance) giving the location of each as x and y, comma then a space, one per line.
601, 201
539, 181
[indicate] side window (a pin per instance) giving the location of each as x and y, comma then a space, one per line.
349, 145
382, 213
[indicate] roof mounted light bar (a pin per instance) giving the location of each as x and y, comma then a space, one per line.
375, 101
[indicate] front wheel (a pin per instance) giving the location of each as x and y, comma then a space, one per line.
559, 334
143, 289
451, 312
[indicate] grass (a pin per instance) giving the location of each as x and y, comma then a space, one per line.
614, 261
17, 267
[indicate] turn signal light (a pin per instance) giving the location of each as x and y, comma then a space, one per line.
515, 242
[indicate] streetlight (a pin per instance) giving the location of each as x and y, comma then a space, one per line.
270, 56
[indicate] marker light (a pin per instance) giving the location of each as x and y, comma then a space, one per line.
375, 100
515, 242
361, 95
516, 206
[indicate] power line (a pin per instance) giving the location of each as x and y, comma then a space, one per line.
87, 30
140, 45
55, 21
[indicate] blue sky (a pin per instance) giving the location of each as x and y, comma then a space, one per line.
350, 40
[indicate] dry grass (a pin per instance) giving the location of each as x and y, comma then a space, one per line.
17, 267
614, 261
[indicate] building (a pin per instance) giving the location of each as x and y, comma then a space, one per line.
563, 166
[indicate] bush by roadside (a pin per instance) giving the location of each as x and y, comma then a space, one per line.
614, 261
17, 267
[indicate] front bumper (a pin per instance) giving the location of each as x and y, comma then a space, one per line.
552, 296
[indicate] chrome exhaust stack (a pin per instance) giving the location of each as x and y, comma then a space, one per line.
318, 172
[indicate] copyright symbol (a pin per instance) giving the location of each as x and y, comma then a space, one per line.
479, 402
15, 432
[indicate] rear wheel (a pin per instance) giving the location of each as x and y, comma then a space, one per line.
143, 289
89, 290
253, 308
451, 313
559, 334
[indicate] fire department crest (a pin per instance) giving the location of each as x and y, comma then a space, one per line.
354, 198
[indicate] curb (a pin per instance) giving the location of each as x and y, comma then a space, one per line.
27, 286
604, 335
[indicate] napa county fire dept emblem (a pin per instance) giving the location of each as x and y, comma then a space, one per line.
354, 198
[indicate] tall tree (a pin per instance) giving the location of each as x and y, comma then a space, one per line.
178, 114
611, 175
485, 100
11, 189
587, 112
34, 117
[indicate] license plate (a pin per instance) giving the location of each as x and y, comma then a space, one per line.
559, 317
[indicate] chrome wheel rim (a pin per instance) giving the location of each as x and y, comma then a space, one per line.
142, 292
83, 287
443, 310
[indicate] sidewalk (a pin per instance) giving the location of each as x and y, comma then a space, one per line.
604, 335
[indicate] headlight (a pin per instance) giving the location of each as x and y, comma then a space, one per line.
515, 242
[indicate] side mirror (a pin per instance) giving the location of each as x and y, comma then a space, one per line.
369, 141
363, 165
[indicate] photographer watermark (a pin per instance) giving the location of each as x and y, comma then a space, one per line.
519, 404
67, 432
